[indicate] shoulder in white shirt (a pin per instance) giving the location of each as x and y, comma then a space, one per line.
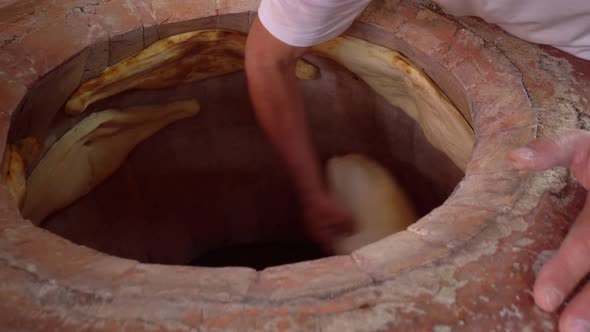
565, 25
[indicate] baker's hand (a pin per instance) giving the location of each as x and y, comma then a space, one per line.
326, 219
561, 274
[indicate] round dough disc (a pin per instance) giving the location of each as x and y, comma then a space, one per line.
379, 205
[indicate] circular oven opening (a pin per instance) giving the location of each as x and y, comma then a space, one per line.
208, 189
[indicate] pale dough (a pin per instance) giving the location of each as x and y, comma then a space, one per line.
392, 76
379, 205
198, 55
93, 150
184, 58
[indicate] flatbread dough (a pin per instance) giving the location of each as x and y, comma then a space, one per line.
403, 85
93, 150
187, 57
379, 205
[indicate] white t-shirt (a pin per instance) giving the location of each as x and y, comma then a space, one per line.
563, 24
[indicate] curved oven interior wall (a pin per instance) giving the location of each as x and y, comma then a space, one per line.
212, 185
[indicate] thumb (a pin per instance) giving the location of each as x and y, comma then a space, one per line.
544, 153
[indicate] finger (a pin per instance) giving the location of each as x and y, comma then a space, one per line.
568, 267
576, 316
553, 151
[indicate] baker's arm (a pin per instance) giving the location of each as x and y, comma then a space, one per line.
275, 93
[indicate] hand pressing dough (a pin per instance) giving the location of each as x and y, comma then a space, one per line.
91, 151
183, 58
404, 86
379, 205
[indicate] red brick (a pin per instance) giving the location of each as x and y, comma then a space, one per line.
501, 104
494, 63
465, 46
289, 323
197, 283
46, 254
405, 9
157, 314
494, 192
428, 32
55, 43
124, 26
118, 16
467, 75
387, 258
489, 152
12, 94
143, 8
100, 272
451, 226
318, 278
16, 67
10, 33
193, 317
489, 275
32, 13
413, 27
236, 6
488, 63
378, 15
172, 11
231, 317
380, 317
237, 22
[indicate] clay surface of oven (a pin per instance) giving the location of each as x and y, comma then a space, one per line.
467, 264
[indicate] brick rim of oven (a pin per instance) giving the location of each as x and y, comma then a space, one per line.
481, 80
